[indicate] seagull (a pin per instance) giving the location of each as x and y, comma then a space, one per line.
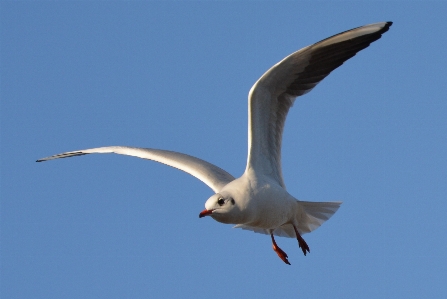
258, 200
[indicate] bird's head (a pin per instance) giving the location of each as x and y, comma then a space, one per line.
221, 207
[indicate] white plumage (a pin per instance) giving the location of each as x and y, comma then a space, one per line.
258, 200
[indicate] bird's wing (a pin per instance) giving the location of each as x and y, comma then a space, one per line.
213, 176
274, 93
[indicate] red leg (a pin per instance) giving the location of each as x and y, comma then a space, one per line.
282, 255
303, 245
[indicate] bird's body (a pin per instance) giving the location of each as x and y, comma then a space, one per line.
262, 203
258, 200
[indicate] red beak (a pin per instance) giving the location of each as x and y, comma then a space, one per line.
205, 213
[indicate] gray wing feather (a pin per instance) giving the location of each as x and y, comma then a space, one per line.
273, 94
213, 176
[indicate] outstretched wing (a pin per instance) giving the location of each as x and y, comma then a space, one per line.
273, 94
213, 176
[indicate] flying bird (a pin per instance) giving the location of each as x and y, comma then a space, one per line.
258, 200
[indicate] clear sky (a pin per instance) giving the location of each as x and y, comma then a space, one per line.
175, 75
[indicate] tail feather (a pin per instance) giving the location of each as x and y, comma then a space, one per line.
316, 213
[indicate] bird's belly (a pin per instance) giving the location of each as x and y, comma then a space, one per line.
273, 213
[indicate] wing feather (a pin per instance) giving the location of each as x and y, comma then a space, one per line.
214, 177
273, 94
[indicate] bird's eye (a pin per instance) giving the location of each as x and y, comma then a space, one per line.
220, 201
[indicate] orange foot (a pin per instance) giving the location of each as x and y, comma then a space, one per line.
282, 255
303, 245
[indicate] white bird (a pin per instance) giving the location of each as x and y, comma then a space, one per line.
258, 200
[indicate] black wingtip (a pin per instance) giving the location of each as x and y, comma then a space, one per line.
388, 25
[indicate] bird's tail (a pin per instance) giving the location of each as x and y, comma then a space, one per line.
315, 213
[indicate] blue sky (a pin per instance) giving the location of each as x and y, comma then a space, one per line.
174, 75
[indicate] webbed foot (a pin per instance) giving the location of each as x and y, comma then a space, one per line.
303, 245
282, 255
